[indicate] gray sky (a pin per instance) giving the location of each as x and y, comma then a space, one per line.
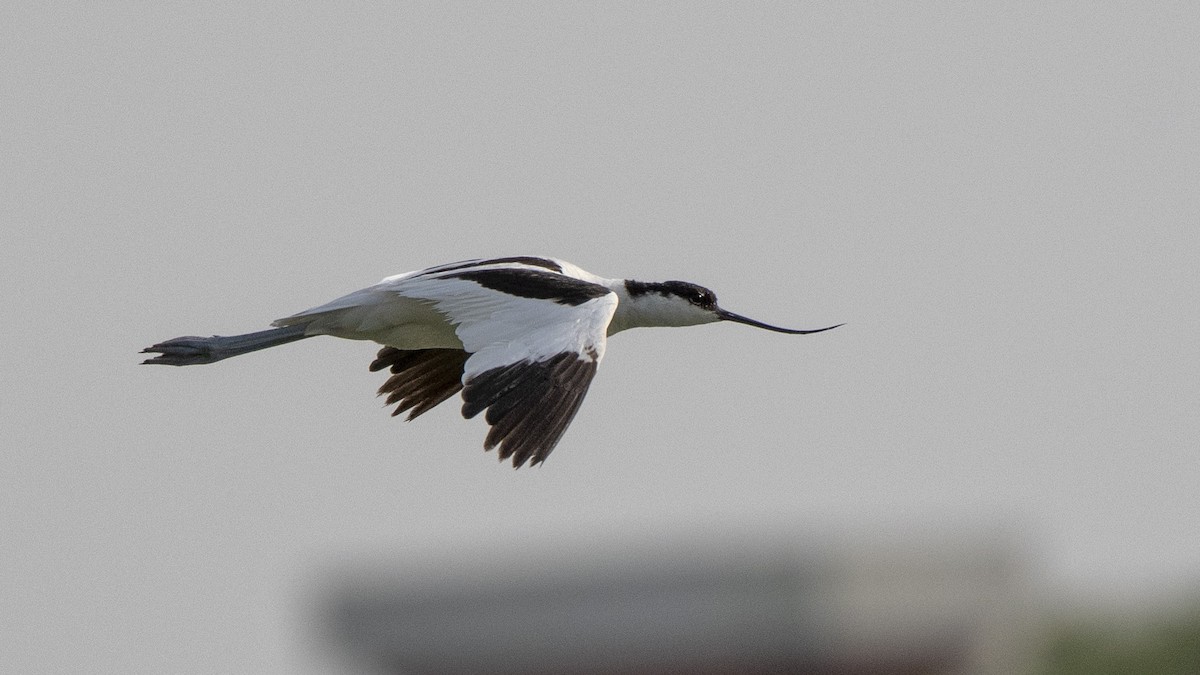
1000, 199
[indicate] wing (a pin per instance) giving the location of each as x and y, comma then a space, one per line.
535, 338
529, 405
421, 378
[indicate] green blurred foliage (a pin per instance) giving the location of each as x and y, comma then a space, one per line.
1162, 646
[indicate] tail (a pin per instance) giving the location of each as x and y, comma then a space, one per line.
191, 350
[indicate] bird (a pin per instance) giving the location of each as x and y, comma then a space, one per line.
520, 337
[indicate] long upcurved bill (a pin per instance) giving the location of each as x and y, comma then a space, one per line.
726, 315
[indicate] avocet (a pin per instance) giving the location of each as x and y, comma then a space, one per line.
520, 337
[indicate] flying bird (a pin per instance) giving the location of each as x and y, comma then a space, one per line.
520, 337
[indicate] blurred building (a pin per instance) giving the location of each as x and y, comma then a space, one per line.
957, 606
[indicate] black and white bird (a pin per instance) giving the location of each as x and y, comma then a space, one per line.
520, 337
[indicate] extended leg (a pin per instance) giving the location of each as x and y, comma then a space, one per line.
191, 350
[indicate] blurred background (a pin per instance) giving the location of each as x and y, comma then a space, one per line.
991, 468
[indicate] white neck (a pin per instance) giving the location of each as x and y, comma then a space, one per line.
643, 310
652, 310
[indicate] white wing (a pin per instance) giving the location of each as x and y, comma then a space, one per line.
535, 339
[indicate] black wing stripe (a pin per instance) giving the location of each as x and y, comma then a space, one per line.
529, 261
421, 378
529, 404
535, 284
532, 261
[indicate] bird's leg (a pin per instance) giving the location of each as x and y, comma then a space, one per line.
191, 350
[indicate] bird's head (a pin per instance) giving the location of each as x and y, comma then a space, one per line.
681, 303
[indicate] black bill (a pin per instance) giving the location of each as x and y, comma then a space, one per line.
738, 318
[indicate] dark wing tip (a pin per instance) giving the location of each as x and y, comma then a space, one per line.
529, 405
421, 378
